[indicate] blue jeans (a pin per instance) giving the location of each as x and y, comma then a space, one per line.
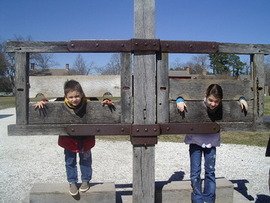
209, 192
85, 166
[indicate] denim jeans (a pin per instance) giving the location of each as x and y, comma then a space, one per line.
85, 163
209, 192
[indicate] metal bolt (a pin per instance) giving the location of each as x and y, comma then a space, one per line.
97, 44
145, 129
155, 129
168, 128
190, 46
72, 45
122, 129
137, 130
98, 129
72, 130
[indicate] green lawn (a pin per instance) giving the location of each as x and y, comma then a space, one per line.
245, 138
7, 102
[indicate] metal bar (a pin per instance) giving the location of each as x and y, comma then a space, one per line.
188, 47
99, 46
99, 129
141, 130
165, 46
189, 128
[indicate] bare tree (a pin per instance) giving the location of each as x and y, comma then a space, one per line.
113, 67
80, 67
43, 61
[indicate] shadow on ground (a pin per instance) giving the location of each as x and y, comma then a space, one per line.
5, 115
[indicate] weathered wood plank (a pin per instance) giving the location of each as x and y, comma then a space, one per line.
126, 88
22, 87
257, 64
37, 47
163, 89
144, 103
196, 112
244, 48
195, 89
64, 47
95, 113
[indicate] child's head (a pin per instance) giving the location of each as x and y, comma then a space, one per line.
73, 92
214, 95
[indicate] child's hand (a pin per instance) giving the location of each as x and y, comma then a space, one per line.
41, 106
243, 105
182, 108
109, 103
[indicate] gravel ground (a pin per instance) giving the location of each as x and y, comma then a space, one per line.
27, 160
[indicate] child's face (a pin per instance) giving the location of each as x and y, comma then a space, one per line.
74, 97
212, 102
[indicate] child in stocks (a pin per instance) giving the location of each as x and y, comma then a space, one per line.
75, 101
205, 144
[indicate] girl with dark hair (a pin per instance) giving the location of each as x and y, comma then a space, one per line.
205, 144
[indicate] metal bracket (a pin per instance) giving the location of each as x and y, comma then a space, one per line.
142, 134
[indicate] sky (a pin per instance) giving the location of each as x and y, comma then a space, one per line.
234, 21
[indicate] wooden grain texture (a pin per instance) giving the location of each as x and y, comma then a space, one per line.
257, 64
196, 112
59, 113
22, 87
63, 47
162, 89
195, 89
144, 103
126, 89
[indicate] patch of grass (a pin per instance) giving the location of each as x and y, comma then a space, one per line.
267, 105
7, 102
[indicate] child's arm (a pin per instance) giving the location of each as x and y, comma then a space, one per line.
243, 105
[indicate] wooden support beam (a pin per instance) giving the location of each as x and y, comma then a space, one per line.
144, 103
22, 87
126, 89
135, 45
257, 64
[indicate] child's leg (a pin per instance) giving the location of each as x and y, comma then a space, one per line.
209, 192
71, 166
86, 166
195, 153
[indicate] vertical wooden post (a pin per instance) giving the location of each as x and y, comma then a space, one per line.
257, 64
22, 87
144, 103
163, 108
126, 88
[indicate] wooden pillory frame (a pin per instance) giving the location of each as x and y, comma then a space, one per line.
147, 107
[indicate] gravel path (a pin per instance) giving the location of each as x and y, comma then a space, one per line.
33, 159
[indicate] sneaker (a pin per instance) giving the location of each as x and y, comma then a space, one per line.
73, 190
84, 186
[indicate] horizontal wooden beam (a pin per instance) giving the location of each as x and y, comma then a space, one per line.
135, 45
